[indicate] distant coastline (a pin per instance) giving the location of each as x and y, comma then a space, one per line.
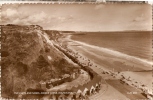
83, 32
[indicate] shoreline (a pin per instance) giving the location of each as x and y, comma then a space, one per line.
110, 51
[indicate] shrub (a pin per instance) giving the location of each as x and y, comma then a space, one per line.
4, 53
47, 49
42, 62
5, 63
21, 68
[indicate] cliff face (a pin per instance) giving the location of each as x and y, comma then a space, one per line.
27, 58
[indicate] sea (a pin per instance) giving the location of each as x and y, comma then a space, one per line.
137, 44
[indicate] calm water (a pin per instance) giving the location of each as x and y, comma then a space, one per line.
138, 44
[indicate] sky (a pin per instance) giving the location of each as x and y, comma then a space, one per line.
80, 17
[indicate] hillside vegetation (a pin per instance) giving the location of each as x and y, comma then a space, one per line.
28, 58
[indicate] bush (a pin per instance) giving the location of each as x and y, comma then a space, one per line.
4, 53
63, 66
47, 49
21, 68
42, 62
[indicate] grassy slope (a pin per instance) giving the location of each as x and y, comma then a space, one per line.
25, 59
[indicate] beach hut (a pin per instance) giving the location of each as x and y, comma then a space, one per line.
88, 86
92, 89
85, 91
97, 85
79, 93
97, 88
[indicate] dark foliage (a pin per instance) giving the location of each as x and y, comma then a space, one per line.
22, 69
4, 53
41, 62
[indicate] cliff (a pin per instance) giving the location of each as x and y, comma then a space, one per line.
29, 57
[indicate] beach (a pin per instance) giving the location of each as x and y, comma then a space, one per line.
133, 69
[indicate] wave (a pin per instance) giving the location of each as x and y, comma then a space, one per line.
116, 53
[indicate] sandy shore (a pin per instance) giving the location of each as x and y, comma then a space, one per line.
130, 67
114, 62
